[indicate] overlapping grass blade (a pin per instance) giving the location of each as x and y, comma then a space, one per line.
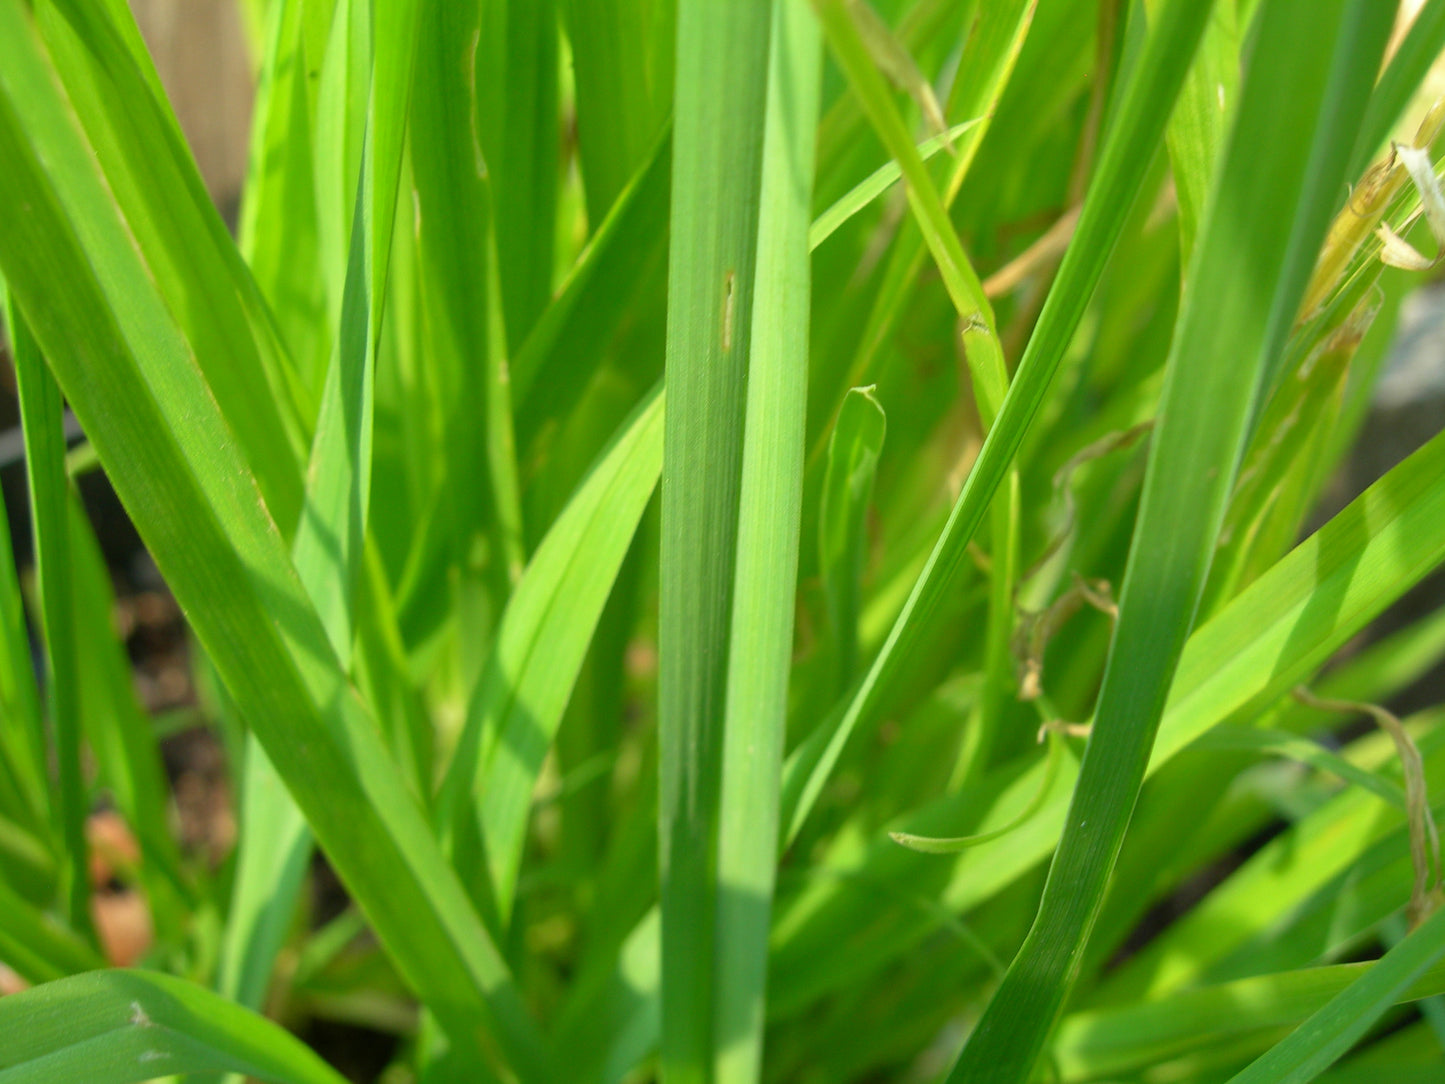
330, 539
1123, 162
719, 120
114, 1027
765, 579
49, 487
878, 182
330, 536
1271, 637
515, 82
1230, 311
341, 75
1349, 854
853, 452
28, 863
1281, 469
278, 233
1142, 114
1400, 81
1268, 639
97, 53
622, 56
120, 737
1306, 751
37, 947
157, 429
988, 61
27, 797
541, 644
559, 357
1201, 118
458, 229
567, 344
1330, 1032
1120, 1039
496, 597
846, 26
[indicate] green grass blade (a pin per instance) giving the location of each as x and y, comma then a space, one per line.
1324, 1037
719, 119
37, 947
272, 856
1123, 161
540, 647
566, 345
456, 280
1288, 623
1316, 888
1201, 118
138, 144
23, 735
853, 452
919, 26
278, 232
343, 83
1135, 1036
1399, 82
1266, 210
878, 182
384, 675
977, 751
1271, 637
990, 55
329, 543
514, 73
554, 366
1305, 751
49, 487
330, 535
770, 508
844, 27
622, 61
114, 1027
1277, 483
120, 735
27, 863
157, 429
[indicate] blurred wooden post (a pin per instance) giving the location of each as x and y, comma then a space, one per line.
200, 51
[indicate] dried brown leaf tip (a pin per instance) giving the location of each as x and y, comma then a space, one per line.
895, 62
1428, 891
1395, 250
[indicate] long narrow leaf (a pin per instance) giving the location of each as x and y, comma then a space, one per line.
541, 644
719, 120
329, 541
1123, 161
156, 428
770, 504
1244, 288
1117, 1040
115, 1027
1230, 311
1329, 1033
41, 413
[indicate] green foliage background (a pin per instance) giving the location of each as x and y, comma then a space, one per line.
761, 541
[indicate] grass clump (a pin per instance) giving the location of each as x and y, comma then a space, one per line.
760, 541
